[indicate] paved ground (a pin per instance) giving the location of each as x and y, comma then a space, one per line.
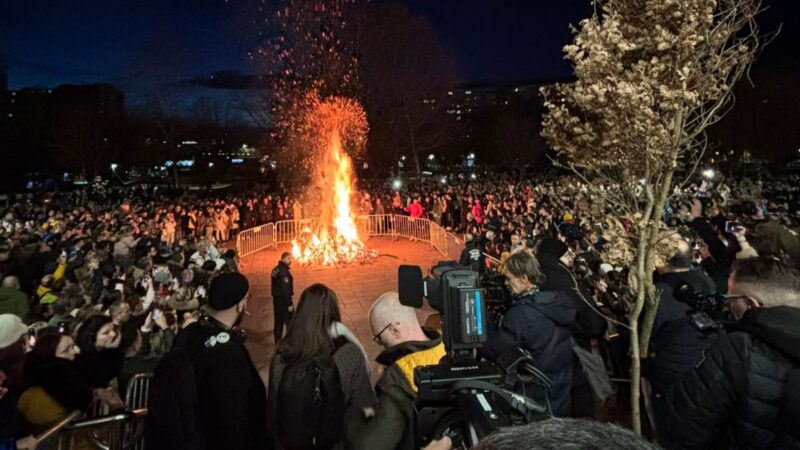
357, 286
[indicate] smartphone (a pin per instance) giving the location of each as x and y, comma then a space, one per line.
62, 328
156, 314
732, 226
63, 253
31, 338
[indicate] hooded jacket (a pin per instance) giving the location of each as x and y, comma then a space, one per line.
745, 390
392, 425
539, 322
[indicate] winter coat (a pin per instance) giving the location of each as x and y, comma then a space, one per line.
352, 365
588, 323
675, 344
13, 301
745, 391
61, 380
231, 397
100, 367
539, 322
393, 422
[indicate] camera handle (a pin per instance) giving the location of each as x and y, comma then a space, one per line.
518, 403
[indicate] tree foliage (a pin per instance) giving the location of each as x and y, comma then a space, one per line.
651, 77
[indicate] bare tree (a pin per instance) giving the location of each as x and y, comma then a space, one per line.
161, 65
651, 77
406, 76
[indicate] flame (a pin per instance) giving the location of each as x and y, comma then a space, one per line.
336, 241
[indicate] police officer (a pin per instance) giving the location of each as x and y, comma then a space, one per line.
282, 292
231, 398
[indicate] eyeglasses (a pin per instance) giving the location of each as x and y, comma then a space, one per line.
377, 337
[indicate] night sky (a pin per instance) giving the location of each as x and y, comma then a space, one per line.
50, 42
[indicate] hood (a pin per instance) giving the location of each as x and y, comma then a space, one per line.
390, 355
778, 326
556, 305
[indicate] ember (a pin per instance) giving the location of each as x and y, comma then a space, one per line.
336, 239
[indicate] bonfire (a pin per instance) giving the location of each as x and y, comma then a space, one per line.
335, 237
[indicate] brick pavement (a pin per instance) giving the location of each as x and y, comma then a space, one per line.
357, 286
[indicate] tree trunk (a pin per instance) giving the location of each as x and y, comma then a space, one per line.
646, 293
413, 145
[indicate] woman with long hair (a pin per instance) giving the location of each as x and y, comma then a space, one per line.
54, 386
316, 330
100, 358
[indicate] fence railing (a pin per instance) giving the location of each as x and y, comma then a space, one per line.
259, 238
252, 240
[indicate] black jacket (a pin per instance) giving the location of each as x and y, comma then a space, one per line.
61, 380
588, 323
675, 344
540, 323
473, 257
719, 265
99, 368
282, 281
231, 398
745, 391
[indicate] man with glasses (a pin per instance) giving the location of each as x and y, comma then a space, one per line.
407, 346
744, 391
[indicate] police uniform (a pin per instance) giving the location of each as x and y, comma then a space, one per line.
282, 292
231, 397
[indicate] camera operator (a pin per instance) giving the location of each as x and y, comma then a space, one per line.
555, 260
745, 391
676, 343
407, 346
538, 322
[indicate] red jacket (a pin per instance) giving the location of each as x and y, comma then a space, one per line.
415, 210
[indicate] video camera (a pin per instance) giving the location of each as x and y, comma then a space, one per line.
463, 397
707, 310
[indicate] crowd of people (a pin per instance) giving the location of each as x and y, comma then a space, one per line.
94, 292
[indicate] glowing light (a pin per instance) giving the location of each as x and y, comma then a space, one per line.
397, 184
336, 239
709, 174
471, 156
114, 166
443, 180
431, 157
474, 176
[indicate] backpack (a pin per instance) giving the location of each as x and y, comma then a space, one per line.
311, 405
171, 422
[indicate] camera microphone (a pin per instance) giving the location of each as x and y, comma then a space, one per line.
410, 286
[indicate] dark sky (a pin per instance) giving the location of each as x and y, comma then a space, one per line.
49, 42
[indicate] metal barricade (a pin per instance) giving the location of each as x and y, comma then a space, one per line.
287, 230
137, 396
414, 229
254, 240
106, 433
375, 225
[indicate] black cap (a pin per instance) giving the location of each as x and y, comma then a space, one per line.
227, 290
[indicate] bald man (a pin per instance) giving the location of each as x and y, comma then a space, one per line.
407, 346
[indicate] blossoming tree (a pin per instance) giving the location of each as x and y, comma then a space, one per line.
651, 77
